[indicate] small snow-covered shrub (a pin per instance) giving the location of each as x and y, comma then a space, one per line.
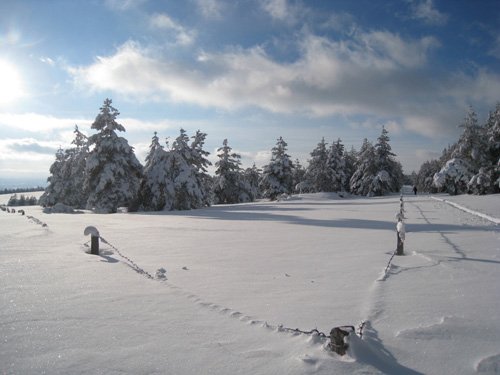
59, 208
453, 177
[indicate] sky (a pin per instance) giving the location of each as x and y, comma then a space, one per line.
248, 71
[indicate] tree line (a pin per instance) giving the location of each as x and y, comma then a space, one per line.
22, 200
102, 173
470, 165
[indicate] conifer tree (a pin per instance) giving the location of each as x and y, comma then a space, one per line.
252, 178
187, 166
424, 179
472, 146
493, 139
277, 176
365, 172
454, 176
74, 170
299, 173
389, 177
54, 191
229, 186
335, 167
113, 172
317, 176
466, 164
157, 188
350, 158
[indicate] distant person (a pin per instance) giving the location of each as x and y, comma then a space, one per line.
415, 190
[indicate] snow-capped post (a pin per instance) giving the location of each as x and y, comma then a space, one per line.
94, 238
337, 339
400, 228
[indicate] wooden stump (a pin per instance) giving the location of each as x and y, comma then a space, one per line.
337, 339
400, 247
94, 245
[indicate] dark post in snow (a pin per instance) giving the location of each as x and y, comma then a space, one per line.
400, 247
337, 339
94, 239
400, 228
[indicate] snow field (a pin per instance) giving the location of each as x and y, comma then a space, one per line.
307, 262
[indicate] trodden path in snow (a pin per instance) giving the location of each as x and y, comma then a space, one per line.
438, 309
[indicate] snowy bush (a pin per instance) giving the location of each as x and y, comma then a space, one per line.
480, 183
454, 176
59, 208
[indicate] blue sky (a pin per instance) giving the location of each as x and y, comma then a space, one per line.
246, 70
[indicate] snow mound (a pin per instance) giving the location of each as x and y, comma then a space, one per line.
371, 351
489, 365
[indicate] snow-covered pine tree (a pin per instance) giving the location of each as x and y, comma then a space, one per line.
54, 192
366, 170
492, 129
74, 169
199, 160
465, 158
157, 188
335, 166
188, 170
389, 177
299, 173
493, 138
350, 158
113, 173
317, 174
424, 179
229, 186
454, 176
472, 145
480, 183
252, 177
277, 176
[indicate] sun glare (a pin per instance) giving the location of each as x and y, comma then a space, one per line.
10, 83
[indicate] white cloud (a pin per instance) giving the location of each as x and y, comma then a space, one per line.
26, 156
374, 73
479, 89
38, 123
282, 10
212, 9
138, 125
329, 77
342, 22
48, 61
396, 51
276, 8
425, 11
183, 35
123, 5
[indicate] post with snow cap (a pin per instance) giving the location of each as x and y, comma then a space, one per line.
400, 228
94, 239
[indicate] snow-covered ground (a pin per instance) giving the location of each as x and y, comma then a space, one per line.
235, 273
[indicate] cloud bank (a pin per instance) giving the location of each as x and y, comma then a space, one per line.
374, 73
